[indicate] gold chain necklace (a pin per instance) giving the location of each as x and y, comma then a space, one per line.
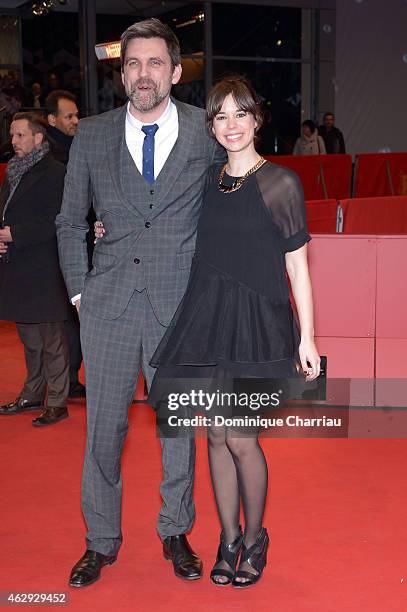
239, 181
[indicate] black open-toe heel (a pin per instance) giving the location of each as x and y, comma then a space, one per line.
256, 557
229, 554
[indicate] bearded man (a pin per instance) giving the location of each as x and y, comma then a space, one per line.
144, 165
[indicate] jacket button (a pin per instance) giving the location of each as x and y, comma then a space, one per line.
151, 205
152, 191
136, 260
147, 224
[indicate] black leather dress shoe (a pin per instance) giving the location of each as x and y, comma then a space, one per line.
187, 565
88, 568
77, 389
51, 415
19, 405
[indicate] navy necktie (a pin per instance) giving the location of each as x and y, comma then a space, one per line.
148, 151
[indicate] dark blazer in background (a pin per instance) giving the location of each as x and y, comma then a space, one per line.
32, 289
59, 143
333, 139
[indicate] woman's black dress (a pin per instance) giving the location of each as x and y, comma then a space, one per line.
235, 319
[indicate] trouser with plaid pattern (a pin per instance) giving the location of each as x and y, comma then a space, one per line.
113, 352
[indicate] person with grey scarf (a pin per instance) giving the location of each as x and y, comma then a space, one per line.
32, 290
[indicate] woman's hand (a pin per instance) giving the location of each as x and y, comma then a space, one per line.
5, 234
310, 360
297, 269
99, 230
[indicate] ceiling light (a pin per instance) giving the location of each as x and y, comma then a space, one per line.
46, 6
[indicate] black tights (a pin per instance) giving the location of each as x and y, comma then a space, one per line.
239, 472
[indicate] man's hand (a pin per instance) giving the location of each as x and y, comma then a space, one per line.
3, 248
78, 304
5, 234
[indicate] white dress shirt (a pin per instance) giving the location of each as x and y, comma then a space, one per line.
165, 138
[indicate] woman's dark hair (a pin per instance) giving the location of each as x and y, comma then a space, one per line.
243, 94
308, 123
151, 28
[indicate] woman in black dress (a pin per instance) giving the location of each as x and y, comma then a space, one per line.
235, 320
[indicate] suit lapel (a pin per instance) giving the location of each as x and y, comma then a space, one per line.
177, 159
115, 140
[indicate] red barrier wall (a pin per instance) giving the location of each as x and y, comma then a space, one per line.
360, 293
380, 174
315, 170
385, 215
321, 216
391, 325
2, 172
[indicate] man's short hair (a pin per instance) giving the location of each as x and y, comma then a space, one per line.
51, 102
36, 122
328, 114
151, 28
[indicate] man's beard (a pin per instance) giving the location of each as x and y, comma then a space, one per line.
145, 101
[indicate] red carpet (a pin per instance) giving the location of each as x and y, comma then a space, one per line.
336, 516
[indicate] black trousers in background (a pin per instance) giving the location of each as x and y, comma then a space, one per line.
47, 362
74, 344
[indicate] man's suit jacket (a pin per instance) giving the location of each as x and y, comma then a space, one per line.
150, 229
32, 289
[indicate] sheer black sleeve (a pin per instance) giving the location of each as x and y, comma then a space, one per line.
283, 197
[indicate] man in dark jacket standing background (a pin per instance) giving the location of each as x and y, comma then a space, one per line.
62, 116
332, 137
32, 290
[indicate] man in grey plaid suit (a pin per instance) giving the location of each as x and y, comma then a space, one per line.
144, 167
